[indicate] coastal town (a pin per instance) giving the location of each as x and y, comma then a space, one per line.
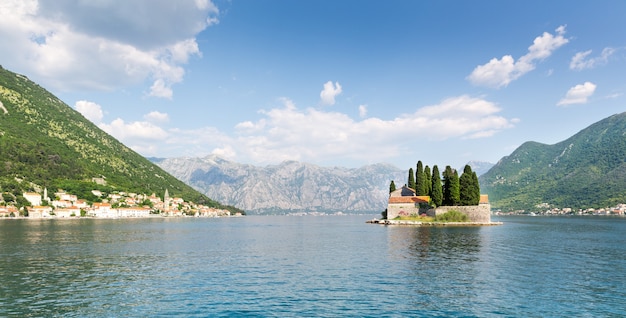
546, 209
114, 205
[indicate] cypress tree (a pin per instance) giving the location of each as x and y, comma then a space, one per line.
411, 183
451, 194
476, 188
466, 187
455, 188
419, 179
392, 187
427, 180
446, 185
436, 195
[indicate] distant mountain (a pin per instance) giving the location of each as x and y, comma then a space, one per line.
586, 170
46, 143
480, 167
290, 186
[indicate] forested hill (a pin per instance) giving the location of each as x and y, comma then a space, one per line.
46, 143
586, 170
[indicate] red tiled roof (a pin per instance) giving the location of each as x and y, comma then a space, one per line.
409, 199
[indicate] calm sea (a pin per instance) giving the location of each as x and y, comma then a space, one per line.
326, 266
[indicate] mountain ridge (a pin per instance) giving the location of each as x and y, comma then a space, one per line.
46, 143
289, 186
585, 170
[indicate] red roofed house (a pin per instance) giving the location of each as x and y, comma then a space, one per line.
404, 202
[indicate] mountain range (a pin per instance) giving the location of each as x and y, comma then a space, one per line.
44, 143
587, 170
290, 186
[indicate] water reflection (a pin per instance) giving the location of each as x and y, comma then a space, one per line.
428, 243
441, 263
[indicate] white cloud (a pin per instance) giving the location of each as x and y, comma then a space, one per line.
145, 137
134, 130
227, 152
313, 135
90, 110
329, 93
157, 117
614, 95
500, 72
362, 111
580, 60
159, 89
103, 45
578, 94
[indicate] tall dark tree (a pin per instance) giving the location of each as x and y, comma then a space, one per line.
451, 195
427, 180
436, 195
466, 187
476, 188
456, 192
419, 179
446, 185
392, 187
411, 183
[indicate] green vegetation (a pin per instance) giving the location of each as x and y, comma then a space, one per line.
469, 188
411, 183
45, 143
588, 170
415, 218
452, 216
451, 187
392, 187
454, 190
428, 186
436, 194
419, 179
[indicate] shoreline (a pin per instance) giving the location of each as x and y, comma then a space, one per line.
432, 224
152, 216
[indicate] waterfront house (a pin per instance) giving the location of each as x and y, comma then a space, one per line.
39, 211
67, 212
136, 212
5, 211
101, 210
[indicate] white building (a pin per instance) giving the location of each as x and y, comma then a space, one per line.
33, 197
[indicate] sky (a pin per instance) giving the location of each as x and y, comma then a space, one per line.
333, 83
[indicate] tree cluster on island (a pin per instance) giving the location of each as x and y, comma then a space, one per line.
452, 190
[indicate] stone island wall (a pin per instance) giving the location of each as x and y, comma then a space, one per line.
475, 213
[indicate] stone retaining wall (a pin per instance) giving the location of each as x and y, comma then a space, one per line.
475, 213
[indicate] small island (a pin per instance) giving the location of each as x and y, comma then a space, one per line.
427, 201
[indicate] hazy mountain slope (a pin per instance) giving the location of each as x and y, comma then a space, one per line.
288, 187
586, 170
480, 167
45, 142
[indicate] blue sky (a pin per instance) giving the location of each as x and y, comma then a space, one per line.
334, 83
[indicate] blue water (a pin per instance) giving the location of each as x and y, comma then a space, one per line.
327, 266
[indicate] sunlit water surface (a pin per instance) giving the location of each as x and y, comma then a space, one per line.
325, 266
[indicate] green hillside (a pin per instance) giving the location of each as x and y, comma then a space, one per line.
46, 143
586, 170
